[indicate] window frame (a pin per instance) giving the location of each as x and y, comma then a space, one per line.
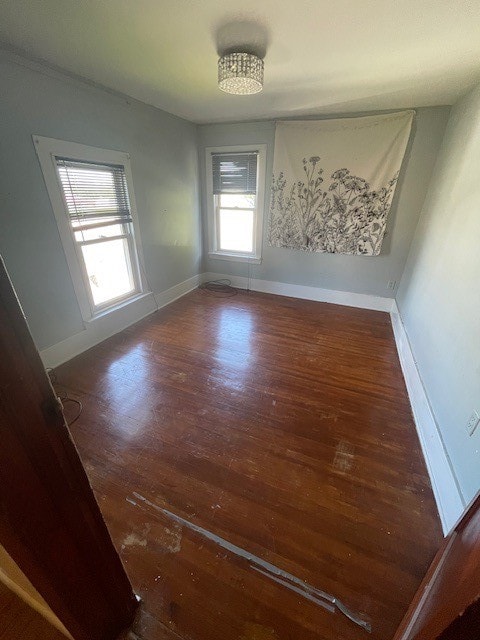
48, 149
259, 213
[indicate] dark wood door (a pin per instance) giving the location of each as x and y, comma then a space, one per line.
50, 522
447, 604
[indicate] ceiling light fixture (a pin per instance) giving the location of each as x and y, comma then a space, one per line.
240, 73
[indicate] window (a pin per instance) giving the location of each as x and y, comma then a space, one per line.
93, 204
97, 205
235, 181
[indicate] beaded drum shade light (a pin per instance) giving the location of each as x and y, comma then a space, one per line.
240, 73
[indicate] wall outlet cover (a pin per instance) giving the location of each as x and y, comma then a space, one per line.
472, 423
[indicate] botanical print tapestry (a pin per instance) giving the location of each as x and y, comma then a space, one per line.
334, 180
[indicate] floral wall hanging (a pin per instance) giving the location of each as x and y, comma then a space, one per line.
334, 181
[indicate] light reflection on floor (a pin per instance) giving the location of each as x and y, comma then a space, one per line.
133, 394
233, 350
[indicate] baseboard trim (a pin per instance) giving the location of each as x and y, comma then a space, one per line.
178, 291
449, 499
110, 324
346, 298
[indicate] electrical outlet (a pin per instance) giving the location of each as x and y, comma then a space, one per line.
392, 284
472, 423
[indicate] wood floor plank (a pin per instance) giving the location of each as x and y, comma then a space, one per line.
281, 425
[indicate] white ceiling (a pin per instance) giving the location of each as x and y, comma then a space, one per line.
322, 56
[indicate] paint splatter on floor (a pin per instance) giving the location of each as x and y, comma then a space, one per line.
170, 539
343, 460
133, 540
180, 376
254, 631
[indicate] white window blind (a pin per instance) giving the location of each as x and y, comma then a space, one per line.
95, 194
98, 208
234, 173
92, 196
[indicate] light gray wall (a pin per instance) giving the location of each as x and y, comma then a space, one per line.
359, 274
439, 295
164, 161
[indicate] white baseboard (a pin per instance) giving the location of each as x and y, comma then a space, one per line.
178, 290
449, 499
448, 496
346, 298
108, 325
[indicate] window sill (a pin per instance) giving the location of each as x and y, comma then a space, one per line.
234, 257
117, 307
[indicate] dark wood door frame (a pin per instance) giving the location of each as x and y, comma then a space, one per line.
50, 522
447, 603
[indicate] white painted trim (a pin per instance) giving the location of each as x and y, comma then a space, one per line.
449, 499
260, 213
47, 150
233, 257
346, 298
108, 325
178, 291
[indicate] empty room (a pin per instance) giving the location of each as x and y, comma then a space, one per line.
239, 320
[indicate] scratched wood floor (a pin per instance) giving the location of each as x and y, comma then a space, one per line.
280, 425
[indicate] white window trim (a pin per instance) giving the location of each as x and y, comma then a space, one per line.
47, 149
213, 251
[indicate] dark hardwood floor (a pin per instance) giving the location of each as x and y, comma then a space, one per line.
278, 424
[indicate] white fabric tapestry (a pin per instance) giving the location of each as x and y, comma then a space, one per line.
334, 180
